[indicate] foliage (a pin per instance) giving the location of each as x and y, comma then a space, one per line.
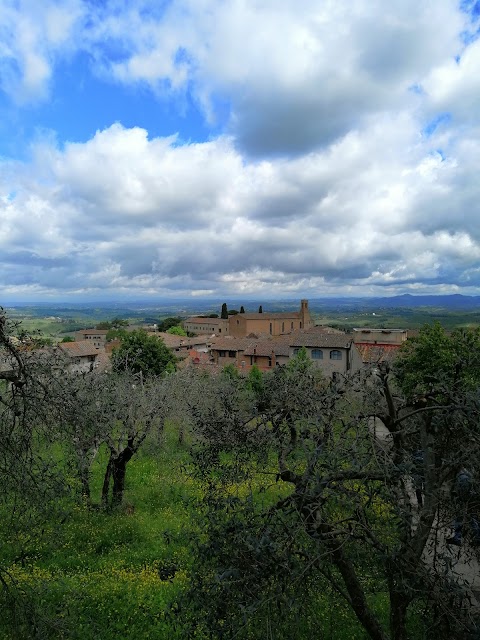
177, 331
68, 339
232, 312
230, 371
436, 358
260, 309
116, 334
255, 381
116, 323
168, 323
300, 496
242, 309
224, 313
107, 575
140, 352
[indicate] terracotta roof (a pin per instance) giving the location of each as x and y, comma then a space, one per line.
266, 347
327, 340
173, 341
79, 348
373, 353
262, 346
319, 328
229, 343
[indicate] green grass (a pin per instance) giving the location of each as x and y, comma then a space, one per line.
106, 576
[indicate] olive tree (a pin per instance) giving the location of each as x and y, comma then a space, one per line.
310, 492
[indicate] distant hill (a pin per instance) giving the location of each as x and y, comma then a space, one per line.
405, 301
455, 301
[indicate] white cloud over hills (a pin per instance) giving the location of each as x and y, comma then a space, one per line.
343, 157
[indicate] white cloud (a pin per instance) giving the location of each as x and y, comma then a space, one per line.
125, 213
34, 35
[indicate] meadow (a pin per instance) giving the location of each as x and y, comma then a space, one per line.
99, 575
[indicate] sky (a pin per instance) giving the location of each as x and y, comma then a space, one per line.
240, 148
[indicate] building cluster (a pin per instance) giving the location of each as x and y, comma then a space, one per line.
270, 339
244, 340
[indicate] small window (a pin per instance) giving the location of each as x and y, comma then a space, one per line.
269, 362
296, 351
270, 328
238, 321
232, 354
317, 354
335, 355
291, 326
283, 327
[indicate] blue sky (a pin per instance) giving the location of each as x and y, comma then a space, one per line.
257, 148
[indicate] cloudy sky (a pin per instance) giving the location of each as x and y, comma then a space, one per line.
256, 148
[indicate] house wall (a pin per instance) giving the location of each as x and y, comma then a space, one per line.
97, 339
82, 364
274, 324
349, 363
205, 325
380, 336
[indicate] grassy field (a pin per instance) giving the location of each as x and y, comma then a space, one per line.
102, 576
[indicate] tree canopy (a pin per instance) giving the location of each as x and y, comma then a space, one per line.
140, 352
312, 491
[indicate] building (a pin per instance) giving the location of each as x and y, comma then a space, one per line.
333, 352
98, 337
378, 345
241, 325
182, 345
209, 326
84, 356
273, 324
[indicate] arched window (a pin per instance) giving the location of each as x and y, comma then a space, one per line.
283, 327
317, 354
335, 355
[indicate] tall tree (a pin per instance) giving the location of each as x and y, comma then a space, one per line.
260, 309
140, 352
242, 309
224, 313
311, 492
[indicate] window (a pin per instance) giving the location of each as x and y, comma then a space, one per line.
317, 354
270, 328
335, 355
232, 354
283, 327
291, 326
296, 351
269, 362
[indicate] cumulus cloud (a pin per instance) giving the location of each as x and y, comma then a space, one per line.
296, 74
346, 162
122, 212
33, 36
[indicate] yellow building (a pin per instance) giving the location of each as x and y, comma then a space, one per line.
273, 324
